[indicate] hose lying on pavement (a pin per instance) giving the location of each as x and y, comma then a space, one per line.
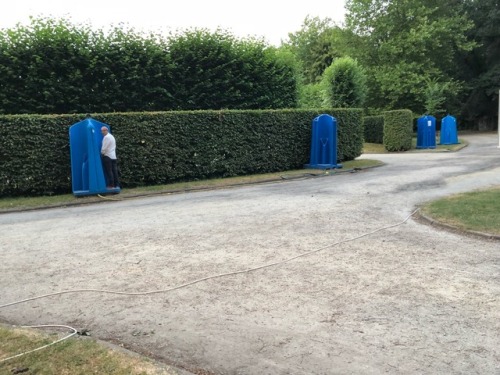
191, 282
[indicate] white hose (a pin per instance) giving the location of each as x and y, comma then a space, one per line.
181, 285
208, 277
45, 346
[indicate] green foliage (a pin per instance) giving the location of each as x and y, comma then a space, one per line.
34, 154
404, 43
128, 72
315, 46
63, 68
164, 147
398, 130
47, 60
216, 71
311, 96
435, 96
350, 132
482, 67
344, 84
374, 129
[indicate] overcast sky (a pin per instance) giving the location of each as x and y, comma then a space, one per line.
270, 19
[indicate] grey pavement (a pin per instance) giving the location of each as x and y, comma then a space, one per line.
314, 276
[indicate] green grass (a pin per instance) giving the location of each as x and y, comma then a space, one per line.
375, 148
72, 357
477, 211
16, 203
439, 148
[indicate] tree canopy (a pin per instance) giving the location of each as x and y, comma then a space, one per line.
423, 55
406, 43
418, 54
315, 46
481, 67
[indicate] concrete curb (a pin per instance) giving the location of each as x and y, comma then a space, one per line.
161, 367
432, 222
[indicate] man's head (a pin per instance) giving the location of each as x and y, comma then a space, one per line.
104, 130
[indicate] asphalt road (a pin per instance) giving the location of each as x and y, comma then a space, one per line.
337, 281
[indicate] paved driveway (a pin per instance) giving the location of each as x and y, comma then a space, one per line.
407, 299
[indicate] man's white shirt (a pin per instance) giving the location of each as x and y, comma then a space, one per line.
109, 146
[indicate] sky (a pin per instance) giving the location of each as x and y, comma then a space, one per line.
268, 19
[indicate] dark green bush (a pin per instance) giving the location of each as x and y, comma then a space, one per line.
217, 71
34, 154
311, 96
64, 68
344, 83
398, 130
164, 147
374, 129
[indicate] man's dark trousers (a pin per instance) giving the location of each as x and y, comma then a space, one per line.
110, 171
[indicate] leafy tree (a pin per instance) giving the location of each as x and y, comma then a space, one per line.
435, 96
315, 46
344, 84
405, 43
482, 66
311, 96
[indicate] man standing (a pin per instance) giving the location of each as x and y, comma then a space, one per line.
108, 155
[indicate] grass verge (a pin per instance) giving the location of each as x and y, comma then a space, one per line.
72, 356
375, 148
19, 203
473, 211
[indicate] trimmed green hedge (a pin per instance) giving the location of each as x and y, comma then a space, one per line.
163, 147
65, 68
398, 130
374, 129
